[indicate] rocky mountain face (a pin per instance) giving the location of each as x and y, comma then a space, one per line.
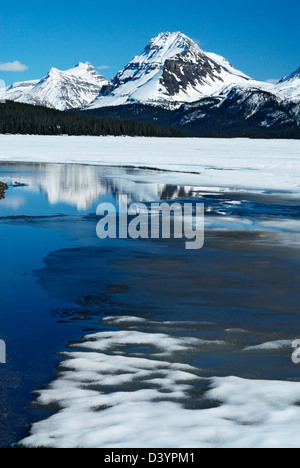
240, 111
174, 82
172, 70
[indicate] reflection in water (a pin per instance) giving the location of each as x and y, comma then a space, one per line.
238, 291
81, 186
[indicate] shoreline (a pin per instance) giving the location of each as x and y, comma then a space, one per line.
266, 165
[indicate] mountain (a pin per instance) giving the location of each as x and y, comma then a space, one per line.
60, 90
82, 185
242, 111
292, 77
289, 87
172, 70
173, 82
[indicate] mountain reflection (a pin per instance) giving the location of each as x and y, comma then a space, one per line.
81, 186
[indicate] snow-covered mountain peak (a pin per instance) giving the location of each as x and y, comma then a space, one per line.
291, 77
53, 72
171, 46
168, 45
171, 70
81, 70
289, 87
60, 89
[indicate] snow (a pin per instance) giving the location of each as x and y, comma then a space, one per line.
163, 345
141, 80
271, 346
212, 164
284, 90
110, 397
223, 62
62, 90
113, 393
289, 90
289, 86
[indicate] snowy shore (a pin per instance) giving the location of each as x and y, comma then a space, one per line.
223, 164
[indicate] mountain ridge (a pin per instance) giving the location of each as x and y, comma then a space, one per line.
61, 90
172, 77
171, 70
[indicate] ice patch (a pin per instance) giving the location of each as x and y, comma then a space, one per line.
236, 330
256, 165
162, 345
271, 345
106, 398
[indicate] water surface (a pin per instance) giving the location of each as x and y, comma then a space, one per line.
58, 280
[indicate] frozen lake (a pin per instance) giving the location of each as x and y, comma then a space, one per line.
200, 341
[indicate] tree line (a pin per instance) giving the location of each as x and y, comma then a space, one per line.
18, 118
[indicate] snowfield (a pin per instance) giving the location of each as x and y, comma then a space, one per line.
218, 164
235, 412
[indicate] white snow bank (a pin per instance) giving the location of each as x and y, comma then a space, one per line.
271, 346
224, 164
162, 345
124, 399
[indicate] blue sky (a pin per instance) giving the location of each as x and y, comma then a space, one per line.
260, 38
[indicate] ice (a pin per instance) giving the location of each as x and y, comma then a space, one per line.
110, 391
114, 400
271, 345
163, 345
218, 164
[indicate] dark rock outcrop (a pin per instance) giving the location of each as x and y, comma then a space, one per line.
3, 188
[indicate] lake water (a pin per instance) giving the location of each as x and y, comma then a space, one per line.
58, 282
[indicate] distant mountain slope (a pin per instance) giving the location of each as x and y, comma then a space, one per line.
255, 113
172, 83
289, 87
60, 90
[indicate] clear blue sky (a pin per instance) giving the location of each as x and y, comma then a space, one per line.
259, 37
